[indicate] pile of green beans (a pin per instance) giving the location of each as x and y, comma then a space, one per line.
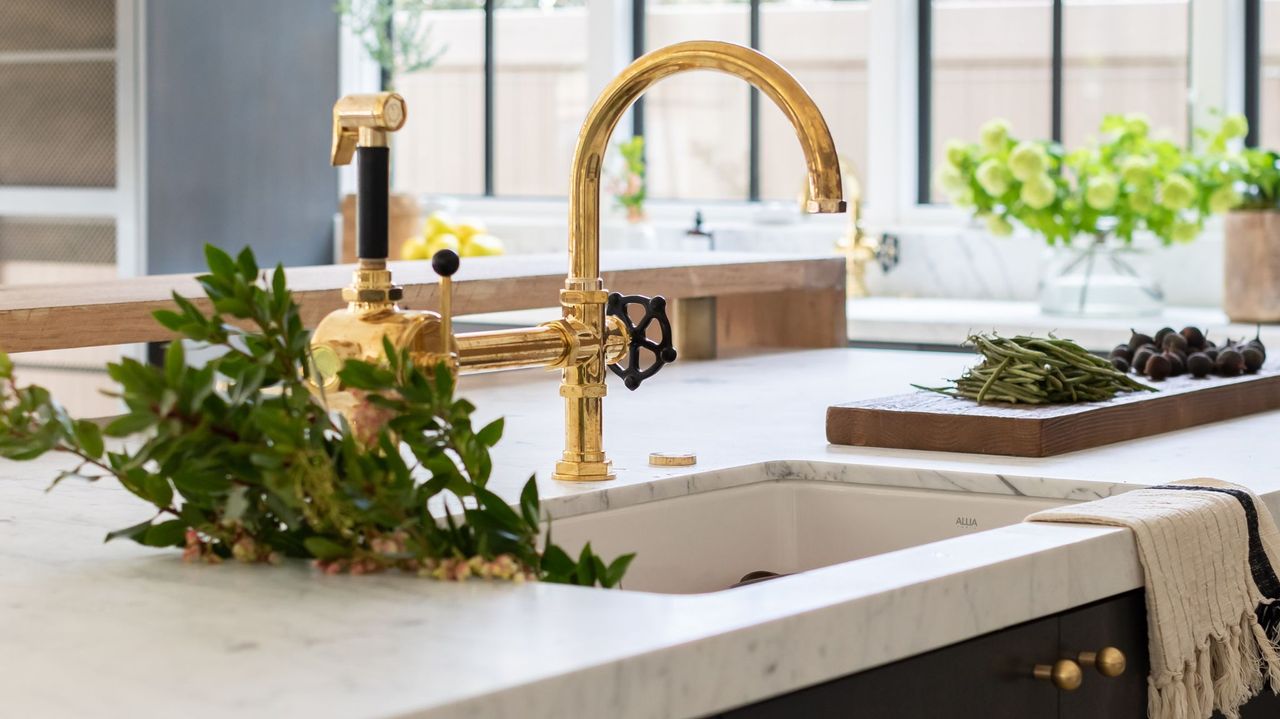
1037, 370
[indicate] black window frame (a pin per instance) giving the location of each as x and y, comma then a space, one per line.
638, 16
1253, 69
924, 91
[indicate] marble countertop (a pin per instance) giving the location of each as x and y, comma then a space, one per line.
85, 626
946, 322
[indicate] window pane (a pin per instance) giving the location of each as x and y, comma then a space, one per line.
57, 78
441, 147
541, 94
695, 125
824, 44
1269, 114
991, 58
1122, 57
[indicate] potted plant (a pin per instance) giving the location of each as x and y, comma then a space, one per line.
1251, 290
1088, 205
629, 191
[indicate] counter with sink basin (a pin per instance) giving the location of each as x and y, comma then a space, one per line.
887, 554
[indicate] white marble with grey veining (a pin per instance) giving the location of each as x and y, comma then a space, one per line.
88, 629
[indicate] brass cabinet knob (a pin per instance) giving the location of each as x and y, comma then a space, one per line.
1064, 673
1109, 661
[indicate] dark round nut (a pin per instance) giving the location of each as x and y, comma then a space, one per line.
1212, 352
1193, 336
1159, 367
1199, 364
1161, 334
1230, 363
1121, 364
1257, 344
1138, 340
1174, 341
1123, 352
1177, 365
1253, 359
1140, 360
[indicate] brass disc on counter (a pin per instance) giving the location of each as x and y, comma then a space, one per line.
672, 459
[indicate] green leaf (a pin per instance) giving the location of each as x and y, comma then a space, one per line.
529, 503
136, 532
613, 575
324, 548
158, 489
129, 424
491, 433
362, 375
6, 366
220, 263
556, 564
89, 437
175, 363
165, 534
248, 265
170, 319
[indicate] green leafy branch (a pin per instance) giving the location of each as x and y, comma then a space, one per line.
240, 459
393, 32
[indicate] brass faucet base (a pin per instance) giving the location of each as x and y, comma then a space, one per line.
583, 471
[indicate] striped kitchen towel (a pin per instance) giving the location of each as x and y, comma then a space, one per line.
1209, 551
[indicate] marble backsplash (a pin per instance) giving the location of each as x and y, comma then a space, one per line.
960, 262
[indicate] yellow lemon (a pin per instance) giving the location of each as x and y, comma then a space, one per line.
415, 248
443, 241
438, 223
467, 229
483, 246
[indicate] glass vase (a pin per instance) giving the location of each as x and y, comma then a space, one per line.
1100, 277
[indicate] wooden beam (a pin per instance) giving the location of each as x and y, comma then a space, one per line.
119, 312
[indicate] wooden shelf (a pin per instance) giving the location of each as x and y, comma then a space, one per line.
797, 298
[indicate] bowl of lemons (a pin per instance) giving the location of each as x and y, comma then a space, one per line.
468, 238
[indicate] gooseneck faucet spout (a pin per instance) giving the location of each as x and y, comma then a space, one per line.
597, 330
770, 78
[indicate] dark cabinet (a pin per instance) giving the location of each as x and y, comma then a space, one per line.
991, 676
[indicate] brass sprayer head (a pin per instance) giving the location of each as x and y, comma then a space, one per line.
364, 121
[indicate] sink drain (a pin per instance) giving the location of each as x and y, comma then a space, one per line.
759, 575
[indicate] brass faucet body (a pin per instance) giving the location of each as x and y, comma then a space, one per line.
585, 340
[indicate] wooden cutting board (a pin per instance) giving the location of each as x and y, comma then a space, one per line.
930, 421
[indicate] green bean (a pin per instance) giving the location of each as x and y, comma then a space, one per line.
1036, 370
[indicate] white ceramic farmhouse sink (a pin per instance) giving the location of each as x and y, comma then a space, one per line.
711, 540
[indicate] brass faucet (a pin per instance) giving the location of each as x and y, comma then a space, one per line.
597, 329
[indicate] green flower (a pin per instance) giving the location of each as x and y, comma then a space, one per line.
998, 225
1137, 123
1102, 192
950, 180
957, 152
994, 134
1038, 192
1184, 231
1224, 198
1141, 202
1135, 169
1027, 160
993, 177
1235, 125
1177, 193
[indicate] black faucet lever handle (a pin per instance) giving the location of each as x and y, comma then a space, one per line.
638, 340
